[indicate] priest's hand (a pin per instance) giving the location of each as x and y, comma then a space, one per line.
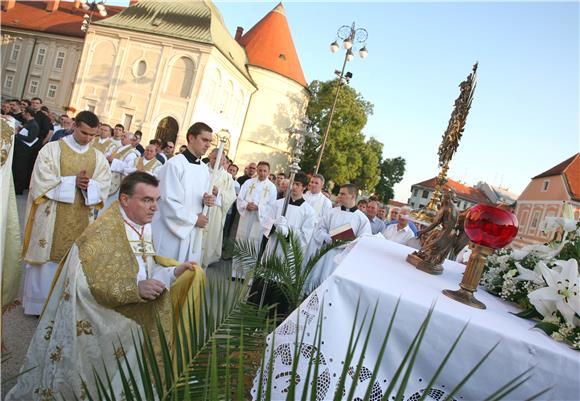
82, 180
183, 267
208, 200
215, 191
251, 206
110, 159
150, 289
281, 224
201, 220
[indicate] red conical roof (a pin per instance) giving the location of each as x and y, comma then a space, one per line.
269, 45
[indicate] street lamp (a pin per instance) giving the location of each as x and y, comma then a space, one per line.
351, 37
92, 6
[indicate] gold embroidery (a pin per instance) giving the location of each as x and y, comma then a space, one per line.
66, 295
48, 329
47, 394
71, 219
47, 210
56, 355
111, 268
102, 147
147, 167
42, 243
6, 141
84, 327
119, 352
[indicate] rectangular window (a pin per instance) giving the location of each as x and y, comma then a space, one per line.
33, 87
40, 55
545, 185
416, 192
15, 52
127, 121
8, 81
425, 194
535, 220
51, 93
59, 62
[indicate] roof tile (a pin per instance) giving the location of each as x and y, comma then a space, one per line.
461, 190
269, 45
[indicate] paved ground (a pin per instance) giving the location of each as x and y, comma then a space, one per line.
18, 328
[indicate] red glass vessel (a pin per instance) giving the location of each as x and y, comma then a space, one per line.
490, 226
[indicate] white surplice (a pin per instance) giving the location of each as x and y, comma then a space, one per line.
250, 228
48, 187
319, 202
214, 232
301, 220
182, 185
118, 167
331, 219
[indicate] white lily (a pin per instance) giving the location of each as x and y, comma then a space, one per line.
539, 250
562, 292
534, 276
553, 223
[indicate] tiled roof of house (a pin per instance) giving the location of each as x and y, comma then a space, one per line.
570, 168
269, 45
66, 20
463, 191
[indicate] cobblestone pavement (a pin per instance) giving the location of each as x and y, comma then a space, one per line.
18, 328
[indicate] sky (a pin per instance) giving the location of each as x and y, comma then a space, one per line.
525, 114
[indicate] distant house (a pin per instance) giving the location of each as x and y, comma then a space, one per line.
545, 196
497, 194
466, 196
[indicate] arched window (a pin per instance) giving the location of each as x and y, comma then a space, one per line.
215, 89
102, 62
227, 98
181, 78
239, 106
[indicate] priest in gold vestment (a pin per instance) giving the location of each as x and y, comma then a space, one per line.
69, 179
148, 162
10, 243
106, 292
121, 159
104, 142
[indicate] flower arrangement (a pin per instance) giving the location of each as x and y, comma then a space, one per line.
543, 280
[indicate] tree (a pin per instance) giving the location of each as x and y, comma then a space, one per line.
346, 151
392, 171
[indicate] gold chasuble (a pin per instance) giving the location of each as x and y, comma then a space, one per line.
71, 219
104, 146
148, 167
94, 314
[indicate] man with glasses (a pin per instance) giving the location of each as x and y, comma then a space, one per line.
169, 149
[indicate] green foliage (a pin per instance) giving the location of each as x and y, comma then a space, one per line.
286, 267
391, 173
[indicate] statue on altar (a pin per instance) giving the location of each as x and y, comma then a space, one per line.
439, 238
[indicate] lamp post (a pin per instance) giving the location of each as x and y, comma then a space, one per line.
92, 6
350, 36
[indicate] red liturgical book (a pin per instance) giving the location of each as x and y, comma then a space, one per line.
343, 233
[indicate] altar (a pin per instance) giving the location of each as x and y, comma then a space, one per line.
374, 271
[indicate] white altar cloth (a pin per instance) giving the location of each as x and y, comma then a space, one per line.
375, 269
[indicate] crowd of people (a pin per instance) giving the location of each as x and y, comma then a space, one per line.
113, 226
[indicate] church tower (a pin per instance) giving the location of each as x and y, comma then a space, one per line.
282, 95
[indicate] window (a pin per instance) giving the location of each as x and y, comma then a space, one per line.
127, 121
180, 82
140, 68
40, 55
33, 87
545, 185
8, 81
415, 192
51, 93
425, 194
59, 62
15, 52
535, 219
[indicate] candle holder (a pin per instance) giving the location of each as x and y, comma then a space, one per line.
488, 228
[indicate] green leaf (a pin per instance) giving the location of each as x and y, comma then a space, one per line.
546, 327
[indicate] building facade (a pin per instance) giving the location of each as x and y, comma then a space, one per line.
466, 196
545, 196
42, 44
